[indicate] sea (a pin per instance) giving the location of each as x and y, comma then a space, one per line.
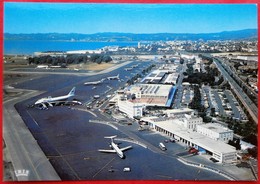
28, 47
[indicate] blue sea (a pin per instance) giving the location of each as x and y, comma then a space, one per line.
30, 46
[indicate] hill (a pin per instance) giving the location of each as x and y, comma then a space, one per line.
121, 37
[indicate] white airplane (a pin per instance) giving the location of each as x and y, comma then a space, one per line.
128, 69
55, 66
43, 66
115, 148
94, 82
49, 101
114, 77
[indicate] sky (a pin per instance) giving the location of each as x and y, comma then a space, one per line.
127, 18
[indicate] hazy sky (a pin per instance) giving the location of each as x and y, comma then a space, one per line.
127, 18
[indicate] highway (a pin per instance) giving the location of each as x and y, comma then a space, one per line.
245, 100
232, 70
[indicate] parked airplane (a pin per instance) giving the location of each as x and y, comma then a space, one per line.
115, 148
94, 82
114, 77
47, 66
128, 69
50, 101
43, 66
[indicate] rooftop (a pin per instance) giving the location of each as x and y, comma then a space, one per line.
152, 89
215, 127
178, 111
174, 126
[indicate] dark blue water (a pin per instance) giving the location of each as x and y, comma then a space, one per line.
31, 46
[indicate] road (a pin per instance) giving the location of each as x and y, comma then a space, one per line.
232, 70
178, 97
245, 100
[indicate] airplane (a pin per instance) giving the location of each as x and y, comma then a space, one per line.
113, 77
128, 69
94, 82
47, 66
43, 66
115, 148
76, 69
49, 101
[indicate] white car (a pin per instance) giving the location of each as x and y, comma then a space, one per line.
127, 169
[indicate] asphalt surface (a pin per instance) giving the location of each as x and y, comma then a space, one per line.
236, 113
27, 158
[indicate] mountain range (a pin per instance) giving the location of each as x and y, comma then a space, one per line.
127, 37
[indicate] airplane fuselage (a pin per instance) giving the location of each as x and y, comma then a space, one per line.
50, 99
115, 149
114, 77
94, 82
118, 151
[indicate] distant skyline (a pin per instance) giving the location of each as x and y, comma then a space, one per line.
88, 18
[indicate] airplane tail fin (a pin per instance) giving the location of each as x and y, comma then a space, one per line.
111, 137
72, 92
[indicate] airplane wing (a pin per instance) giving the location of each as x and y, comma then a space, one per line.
125, 148
107, 151
49, 103
66, 102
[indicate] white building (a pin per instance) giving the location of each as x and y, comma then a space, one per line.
187, 56
153, 94
172, 78
98, 51
216, 131
182, 128
155, 76
137, 97
130, 108
174, 112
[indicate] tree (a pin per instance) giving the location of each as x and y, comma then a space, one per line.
30, 60
212, 112
235, 143
99, 58
181, 61
253, 151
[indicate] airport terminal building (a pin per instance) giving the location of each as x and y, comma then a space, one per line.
137, 97
184, 128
